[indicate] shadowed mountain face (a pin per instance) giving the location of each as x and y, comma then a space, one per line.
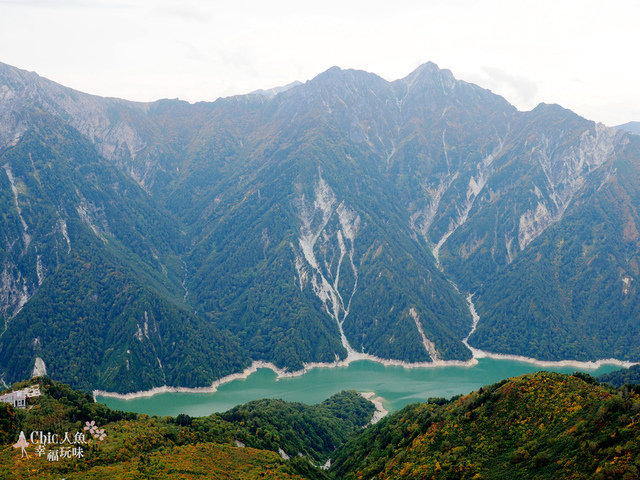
346, 215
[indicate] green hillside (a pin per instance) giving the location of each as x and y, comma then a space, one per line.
542, 425
95, 274
139, 446
537, 426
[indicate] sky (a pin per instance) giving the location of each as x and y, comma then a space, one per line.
579, 54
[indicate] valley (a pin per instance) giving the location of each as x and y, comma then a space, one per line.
538, 425
170, 245
397, 386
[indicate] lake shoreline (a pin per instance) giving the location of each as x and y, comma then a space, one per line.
380, 412
353, 356
281, 373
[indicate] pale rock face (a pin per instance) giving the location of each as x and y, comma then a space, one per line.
39, 369
533, 224
301, 270
566, 170
62, 224
429, 346
139, 335
39, 269
421, 221
26, 236
14, 291
322, 250
508, 241
564, 164
93, 216
283, 454
349, 221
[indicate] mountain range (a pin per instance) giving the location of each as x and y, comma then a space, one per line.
168, 243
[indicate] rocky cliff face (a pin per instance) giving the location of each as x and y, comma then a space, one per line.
120, 130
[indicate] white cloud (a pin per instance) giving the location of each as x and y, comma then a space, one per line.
521, 91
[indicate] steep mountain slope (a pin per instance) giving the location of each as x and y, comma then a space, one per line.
540, 166
91, 280
347, 217
314, 207
120, 130
572, 293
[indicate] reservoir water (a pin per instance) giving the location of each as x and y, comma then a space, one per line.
397, 386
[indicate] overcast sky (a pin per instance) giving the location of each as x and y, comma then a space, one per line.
580, 54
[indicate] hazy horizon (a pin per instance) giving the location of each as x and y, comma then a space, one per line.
575, 54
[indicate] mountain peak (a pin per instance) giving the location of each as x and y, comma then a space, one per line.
430, 74
428, 67
338, 78
329, 74
339, 74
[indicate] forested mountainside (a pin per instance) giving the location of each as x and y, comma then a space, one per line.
168, 243
622, 377
91, 280
542, 425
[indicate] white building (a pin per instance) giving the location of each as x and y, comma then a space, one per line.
19, 398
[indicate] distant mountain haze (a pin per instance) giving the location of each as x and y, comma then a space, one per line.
168, 243
631, 127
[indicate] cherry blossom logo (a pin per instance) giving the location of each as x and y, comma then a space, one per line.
94, 430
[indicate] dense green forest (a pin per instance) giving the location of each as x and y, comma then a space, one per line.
107, 309
579, 273
622, 377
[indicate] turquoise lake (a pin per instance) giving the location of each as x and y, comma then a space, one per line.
397, 386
